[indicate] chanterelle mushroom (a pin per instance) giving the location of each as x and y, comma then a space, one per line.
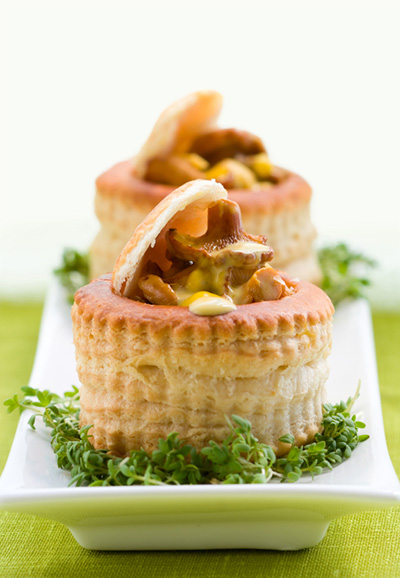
210, 273
223, 261
224, 241
224, 143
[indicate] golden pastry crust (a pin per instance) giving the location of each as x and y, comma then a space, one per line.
121, 180
281, 212
148, 370
308, 306
178, 124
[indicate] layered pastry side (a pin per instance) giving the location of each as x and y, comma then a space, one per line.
195, 325
186, 144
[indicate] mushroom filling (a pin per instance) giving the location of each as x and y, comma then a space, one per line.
213, 273
236, 159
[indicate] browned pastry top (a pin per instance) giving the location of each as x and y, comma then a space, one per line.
307, 306
121, 181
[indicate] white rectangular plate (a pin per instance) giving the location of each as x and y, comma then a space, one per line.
274, 516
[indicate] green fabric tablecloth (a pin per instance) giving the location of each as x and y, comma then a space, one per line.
365, 545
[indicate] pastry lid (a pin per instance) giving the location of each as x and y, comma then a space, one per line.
178, 125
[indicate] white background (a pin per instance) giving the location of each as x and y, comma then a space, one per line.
83, 82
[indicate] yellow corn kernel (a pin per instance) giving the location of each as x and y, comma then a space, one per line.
196, 161
241, 177
198, 295
219, 170
261, 165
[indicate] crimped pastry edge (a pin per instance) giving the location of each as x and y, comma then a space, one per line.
307, 306
121, 180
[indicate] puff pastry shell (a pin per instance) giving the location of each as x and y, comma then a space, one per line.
148, 370
123, 198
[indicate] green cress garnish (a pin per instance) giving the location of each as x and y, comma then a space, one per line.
73, 272
343, 272
240, 459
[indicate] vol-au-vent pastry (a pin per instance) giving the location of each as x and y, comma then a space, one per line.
186, 144
195, 325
